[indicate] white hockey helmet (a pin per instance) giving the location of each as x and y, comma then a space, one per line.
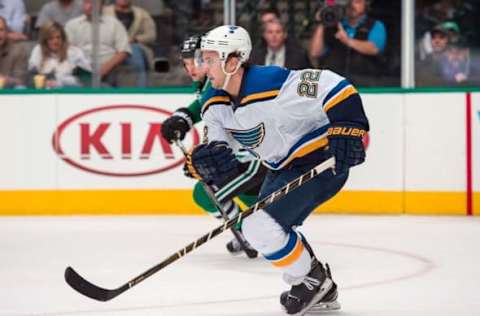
228, 39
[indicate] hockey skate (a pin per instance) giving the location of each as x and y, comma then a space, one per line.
316, 293
234, 248
329, 301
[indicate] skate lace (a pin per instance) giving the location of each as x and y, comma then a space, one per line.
310, 283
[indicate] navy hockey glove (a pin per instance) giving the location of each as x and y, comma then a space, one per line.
345, 143
214, 163
177, 125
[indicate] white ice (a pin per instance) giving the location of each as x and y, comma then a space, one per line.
384, 266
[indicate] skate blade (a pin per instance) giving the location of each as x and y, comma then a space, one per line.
326, 286
323, 307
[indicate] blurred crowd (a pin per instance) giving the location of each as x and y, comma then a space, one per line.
360, 39
56, 49
448, 51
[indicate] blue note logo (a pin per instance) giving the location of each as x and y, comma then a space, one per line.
250, 138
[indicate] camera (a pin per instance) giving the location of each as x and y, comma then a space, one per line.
329, 13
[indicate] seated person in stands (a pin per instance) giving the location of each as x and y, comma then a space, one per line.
13, 59
141, 33
450, 60
14, 13
279, 50
455, 66
114, 47
56, 59
436, 39
429, 57
269, 15
265, 16
60, 11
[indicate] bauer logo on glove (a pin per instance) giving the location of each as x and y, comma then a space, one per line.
347, 131
345, 143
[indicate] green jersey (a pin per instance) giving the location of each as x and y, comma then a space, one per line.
196, 106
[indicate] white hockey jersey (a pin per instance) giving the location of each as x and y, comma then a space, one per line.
280, 114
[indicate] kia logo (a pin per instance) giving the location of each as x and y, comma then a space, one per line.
119, 141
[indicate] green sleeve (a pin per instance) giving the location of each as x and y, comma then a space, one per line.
195, 107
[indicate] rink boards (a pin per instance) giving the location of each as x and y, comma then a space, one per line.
99, 153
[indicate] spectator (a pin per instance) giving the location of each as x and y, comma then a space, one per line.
141, 33
265, 16
279, 50
13, 11
434, 40
430, 56
445, 10
353, 47
13, 59
455, 64
453, 31
440, 39
449, 28
60, 11
55, 58
113, 49
269, 15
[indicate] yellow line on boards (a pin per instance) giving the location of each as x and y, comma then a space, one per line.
172, 202
97, 202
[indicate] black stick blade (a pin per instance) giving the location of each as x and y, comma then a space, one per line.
82, 286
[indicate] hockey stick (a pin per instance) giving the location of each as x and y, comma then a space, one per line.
93, 291
251, 253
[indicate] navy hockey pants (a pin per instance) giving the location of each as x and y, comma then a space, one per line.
292, 209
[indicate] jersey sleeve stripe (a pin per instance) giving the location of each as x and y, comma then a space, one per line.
341, 96
307, 144
334, 91
260, 96
215, 100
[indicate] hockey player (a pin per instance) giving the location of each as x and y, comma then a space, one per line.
292, 120
182, 121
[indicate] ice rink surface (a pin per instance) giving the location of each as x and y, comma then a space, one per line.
384, 266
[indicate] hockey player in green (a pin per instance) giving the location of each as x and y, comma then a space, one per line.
247, 185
